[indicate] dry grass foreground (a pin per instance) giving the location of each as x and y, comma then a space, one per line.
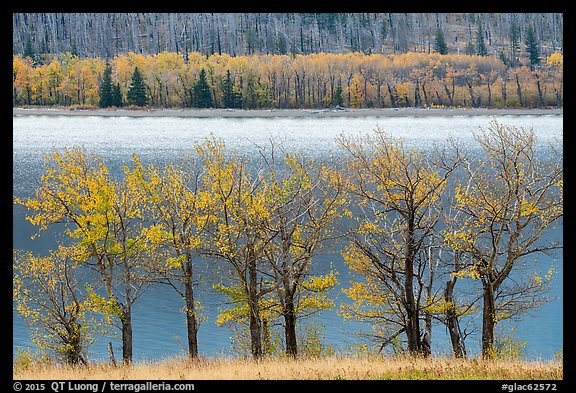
328, 368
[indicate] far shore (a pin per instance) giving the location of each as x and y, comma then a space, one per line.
344, 112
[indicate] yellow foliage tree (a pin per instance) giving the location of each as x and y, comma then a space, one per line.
104, 219
49, 294
397, 191
508, 201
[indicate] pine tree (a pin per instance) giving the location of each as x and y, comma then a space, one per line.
514, 43
383, 30
469, 48
117, 96
230, 98
137, 91
503, 59
480, 45
532, 46
202, 93
28, 51
281, 47
105, 91
439, 42
337, 99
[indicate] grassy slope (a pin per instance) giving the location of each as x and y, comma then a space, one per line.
317, 369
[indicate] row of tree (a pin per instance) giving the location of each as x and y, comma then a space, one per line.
281, 81
110, 34
415, 224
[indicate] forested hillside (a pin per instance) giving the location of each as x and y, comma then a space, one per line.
253, 61
108, 34
317, 80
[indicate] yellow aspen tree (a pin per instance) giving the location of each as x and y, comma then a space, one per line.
178, 209
397, 191
49, 294
306, 200
22, 72
236, 236
103, 218
507, 202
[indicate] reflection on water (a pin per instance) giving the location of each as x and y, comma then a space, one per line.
159, 325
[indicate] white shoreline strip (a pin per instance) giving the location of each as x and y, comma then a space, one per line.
208, 113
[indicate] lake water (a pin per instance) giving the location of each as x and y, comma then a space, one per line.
159, 326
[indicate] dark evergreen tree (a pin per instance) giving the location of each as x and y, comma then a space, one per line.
532, 46
514, 43
469, 48
337, 99
105, 91
281, 47
439, 42
503, 59
28, 51
230, 98
250, 100
383, 30
117, 96
202, 93
480, 44
137, 91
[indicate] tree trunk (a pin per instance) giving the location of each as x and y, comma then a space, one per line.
392, 96
425, 94
191, 323
412, 321
74, 347
417, 98
450, 96
452, 320
111, 354
472, 95
439, 98
540, 95
290, 325
488, 321
255, 323
519, 91
127, 336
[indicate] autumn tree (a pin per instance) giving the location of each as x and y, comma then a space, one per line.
22, 72
49, 294
103, 219
398, 192
507, 204
555, 70
302, 203
306, 201
237, 237
178, 209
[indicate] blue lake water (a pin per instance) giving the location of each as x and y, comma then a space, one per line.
159, 325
